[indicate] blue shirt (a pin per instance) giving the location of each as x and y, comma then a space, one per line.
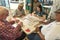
40, 13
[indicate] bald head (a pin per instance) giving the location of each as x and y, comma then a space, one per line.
3, 12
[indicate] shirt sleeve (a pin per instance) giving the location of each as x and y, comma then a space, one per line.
23, 11
46, 28
7, 32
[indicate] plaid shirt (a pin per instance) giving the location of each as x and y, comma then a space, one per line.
7, 31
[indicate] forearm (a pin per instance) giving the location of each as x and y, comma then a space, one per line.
41, 35
17, 29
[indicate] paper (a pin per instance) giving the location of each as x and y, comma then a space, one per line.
29, 23
15, 25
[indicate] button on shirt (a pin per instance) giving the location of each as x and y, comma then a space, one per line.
52, 31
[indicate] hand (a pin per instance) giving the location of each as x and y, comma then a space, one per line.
34, 14
20, 23
16, 20
37, 29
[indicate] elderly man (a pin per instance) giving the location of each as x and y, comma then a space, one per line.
7, 31
52, 30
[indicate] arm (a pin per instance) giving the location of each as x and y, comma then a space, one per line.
23, 11
15, 12
18, 28
34, 13
40, 34
9, 32
43, 17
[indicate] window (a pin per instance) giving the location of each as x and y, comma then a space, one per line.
14, 1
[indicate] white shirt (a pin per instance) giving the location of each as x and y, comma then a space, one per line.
47, 28
52, 31
55, 6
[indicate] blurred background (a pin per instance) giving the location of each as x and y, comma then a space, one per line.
13, 4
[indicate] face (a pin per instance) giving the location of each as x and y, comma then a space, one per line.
58, 16
35, 0
4, 16
20, 7
38, 9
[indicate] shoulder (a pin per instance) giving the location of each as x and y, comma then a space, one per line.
5, 24
48, 26
38, 3
52, 23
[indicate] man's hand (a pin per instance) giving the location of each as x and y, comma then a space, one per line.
37, 29
20, 23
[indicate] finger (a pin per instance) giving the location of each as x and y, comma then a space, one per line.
20, 23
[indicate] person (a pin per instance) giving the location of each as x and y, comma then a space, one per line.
19, 12
55, 6
51, 31
35, 4
7, 31
39, 13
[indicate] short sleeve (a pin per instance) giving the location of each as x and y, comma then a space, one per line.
53, 34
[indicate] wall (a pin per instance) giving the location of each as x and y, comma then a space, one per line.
15, 5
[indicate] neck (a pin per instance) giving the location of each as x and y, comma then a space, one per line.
35, 2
